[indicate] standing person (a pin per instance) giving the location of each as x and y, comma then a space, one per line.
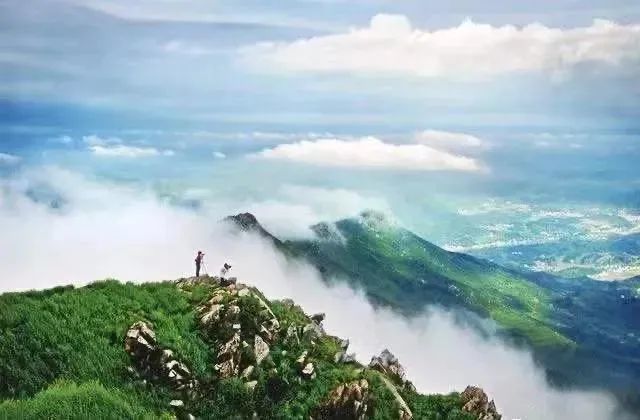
199, 258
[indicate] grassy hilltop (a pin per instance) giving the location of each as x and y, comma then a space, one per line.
104, 350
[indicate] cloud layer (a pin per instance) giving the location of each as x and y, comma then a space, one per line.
369, 152
104, 230
114, 147
390, 45
450, 141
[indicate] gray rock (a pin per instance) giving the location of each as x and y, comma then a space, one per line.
476, 402
342, 357
309, 371
312, 331
212, 314
246, 373
251, 385
176, 403
260, 348
388, 364
318, 318
349, 401
302, 358
292, 334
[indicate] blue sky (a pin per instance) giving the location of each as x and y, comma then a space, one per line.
201, 63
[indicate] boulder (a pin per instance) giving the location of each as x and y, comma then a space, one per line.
312, 331
388, 364
260, 349
476, 402
309, 371
251, 385
292, 334
229, 357
228, 281
140, 339
154, 362
176, 403
246, 373
349, 401
302, 358
318, 318
212, 315
342, 357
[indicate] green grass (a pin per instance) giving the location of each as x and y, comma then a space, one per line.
63, 357
77, 334
67, 400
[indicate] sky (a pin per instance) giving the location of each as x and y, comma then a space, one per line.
332, 65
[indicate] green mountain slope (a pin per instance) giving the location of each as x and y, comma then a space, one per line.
584, 332
203, 348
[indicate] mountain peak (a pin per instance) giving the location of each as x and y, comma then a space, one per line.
245, 221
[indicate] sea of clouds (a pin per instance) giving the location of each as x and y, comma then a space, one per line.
61, 228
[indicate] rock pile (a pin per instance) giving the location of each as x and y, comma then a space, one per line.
244, 332
157, 364
349, 401
477, 403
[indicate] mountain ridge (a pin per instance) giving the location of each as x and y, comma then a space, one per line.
581, 331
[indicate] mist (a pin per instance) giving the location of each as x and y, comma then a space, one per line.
99, 230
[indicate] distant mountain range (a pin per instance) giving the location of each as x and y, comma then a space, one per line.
584, 332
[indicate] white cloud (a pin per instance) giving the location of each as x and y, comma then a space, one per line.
369, 152
390, 45
8, 159
109, 231
294, 208
114, 147
219, 155
128, 151
449, 140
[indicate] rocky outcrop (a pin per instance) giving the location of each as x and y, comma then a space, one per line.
349, 401
342, 356
388, 364
247, 222
476, 402
243, 339
154, 362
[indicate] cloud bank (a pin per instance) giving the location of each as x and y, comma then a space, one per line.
128, 151
369, 152
106, 230
391, 45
